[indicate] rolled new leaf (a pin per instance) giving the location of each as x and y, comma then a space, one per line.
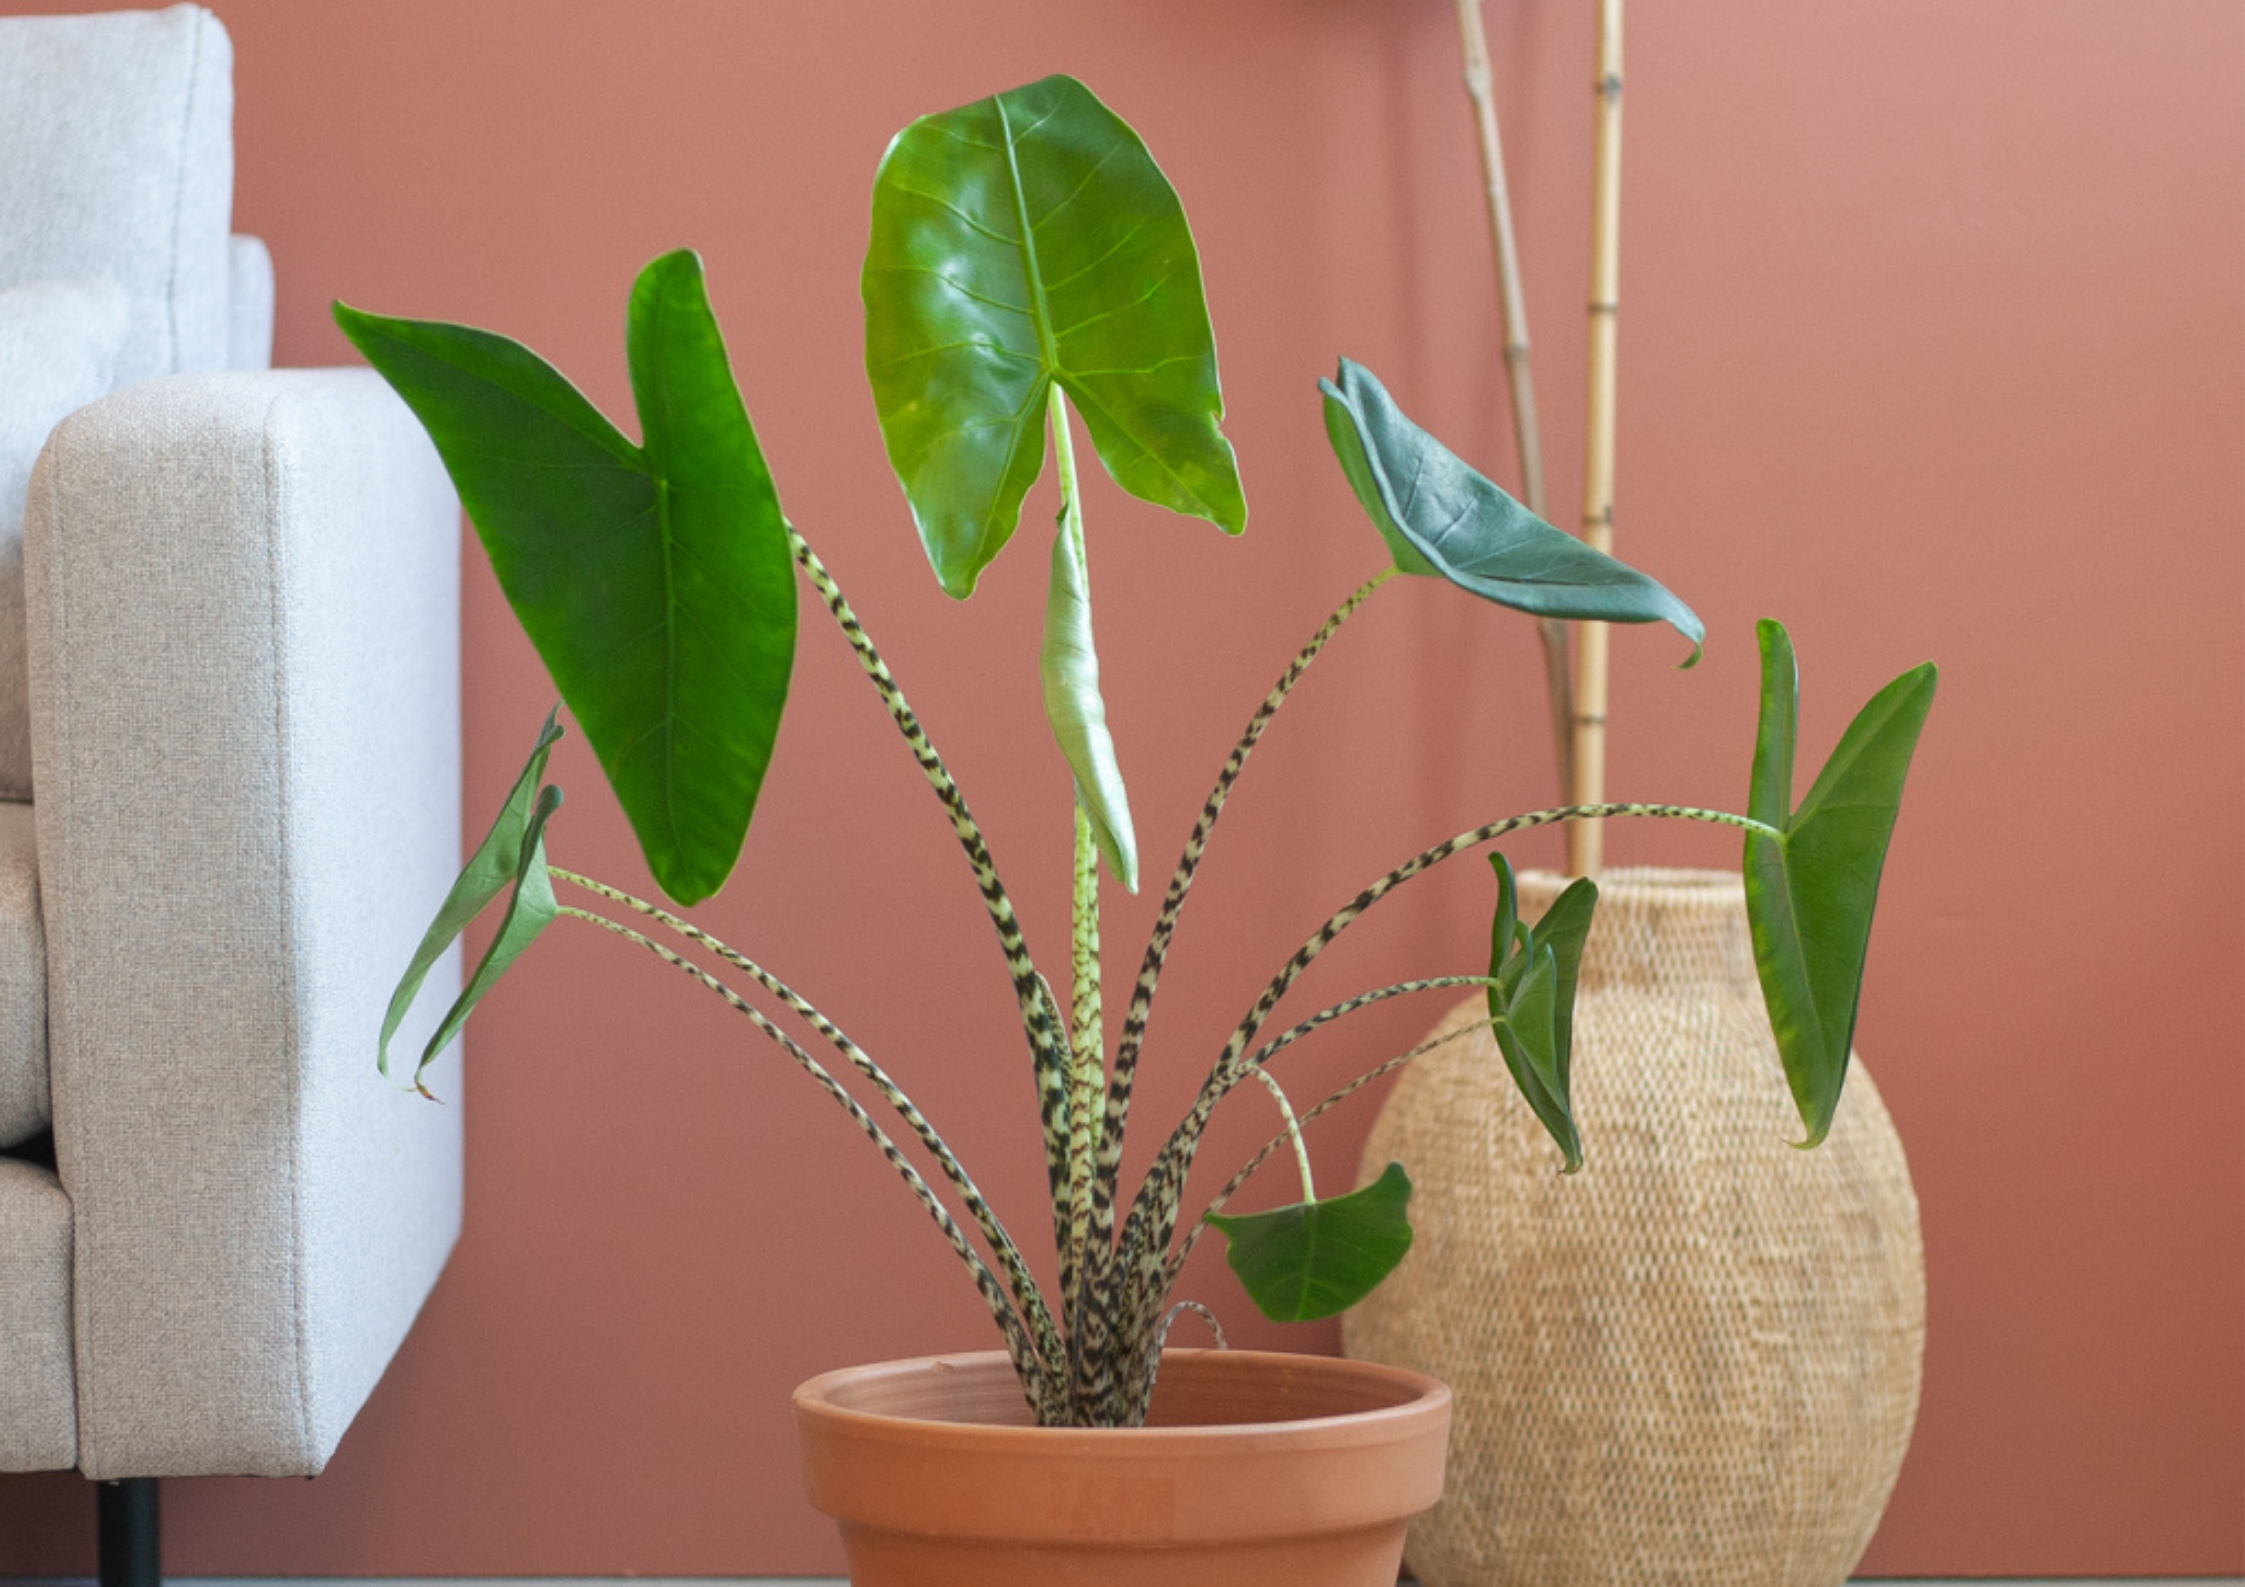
1812, 889
656, 581
494, 866
1068, 667
1441, 518
1027, 239
1318, 1258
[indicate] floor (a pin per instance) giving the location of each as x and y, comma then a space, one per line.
836, 1581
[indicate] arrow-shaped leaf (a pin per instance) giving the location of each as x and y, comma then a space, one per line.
1532, 1004
1812, 890
1319, 1258
1441, 518
656, 581
1026, 239
494, 865
529, 911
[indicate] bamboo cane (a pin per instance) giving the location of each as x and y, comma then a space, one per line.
1585, 839
1526, 434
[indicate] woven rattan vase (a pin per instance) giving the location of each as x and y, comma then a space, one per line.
1697, 1360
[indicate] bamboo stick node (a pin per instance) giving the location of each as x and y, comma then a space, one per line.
1585, 839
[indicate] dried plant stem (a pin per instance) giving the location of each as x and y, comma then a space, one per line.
1586, 840
1527, 435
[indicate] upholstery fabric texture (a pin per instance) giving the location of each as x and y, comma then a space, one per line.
244, 635
117, 159
23, 981
38, 1409
58, 351
249, 329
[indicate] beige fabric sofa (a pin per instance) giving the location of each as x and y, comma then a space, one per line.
234, 625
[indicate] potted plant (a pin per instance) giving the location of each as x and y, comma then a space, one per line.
1029, 264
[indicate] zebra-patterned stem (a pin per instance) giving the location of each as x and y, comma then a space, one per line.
1133, 1037
1025, 1291
1087, 1064
1131, 1302
1169, 1321
1153, 1215
1040, 1014
1325, 1016
1293, 1131
1271, 1146
1036, 1383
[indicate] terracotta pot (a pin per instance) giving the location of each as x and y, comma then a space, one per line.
1254, 1469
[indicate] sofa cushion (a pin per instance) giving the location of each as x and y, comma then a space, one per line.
24, 1109
38, 1394
249, 333
58, 348
117, 159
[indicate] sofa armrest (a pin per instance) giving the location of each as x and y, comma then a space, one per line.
244, 659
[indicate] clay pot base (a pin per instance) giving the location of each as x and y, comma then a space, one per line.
1256, 1468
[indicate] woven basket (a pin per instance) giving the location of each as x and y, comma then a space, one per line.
1697, 1360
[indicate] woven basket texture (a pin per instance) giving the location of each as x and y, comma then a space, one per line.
1695, 1361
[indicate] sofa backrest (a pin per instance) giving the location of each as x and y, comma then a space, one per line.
117, 160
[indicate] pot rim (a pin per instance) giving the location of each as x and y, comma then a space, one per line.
1421, 1396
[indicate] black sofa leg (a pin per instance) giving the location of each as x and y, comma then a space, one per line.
132, 1552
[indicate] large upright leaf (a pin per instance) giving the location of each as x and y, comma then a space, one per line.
1441, 518
1019, 241
1811, 890
656, 580
1318, 1258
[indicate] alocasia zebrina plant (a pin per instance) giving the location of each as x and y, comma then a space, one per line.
1029, 264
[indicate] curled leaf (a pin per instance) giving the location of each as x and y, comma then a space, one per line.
494, 865
1532, 1003
1441, 518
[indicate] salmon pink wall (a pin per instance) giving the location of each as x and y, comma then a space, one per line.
1933, 343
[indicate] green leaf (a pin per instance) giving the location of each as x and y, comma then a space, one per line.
656, 581
1069, 667
1019, 241
1532, 1006
1812, 890
1440, 518
1318, 1258
529, 912
495, 863
1564, 928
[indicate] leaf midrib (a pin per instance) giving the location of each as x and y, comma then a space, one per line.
1040, 312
